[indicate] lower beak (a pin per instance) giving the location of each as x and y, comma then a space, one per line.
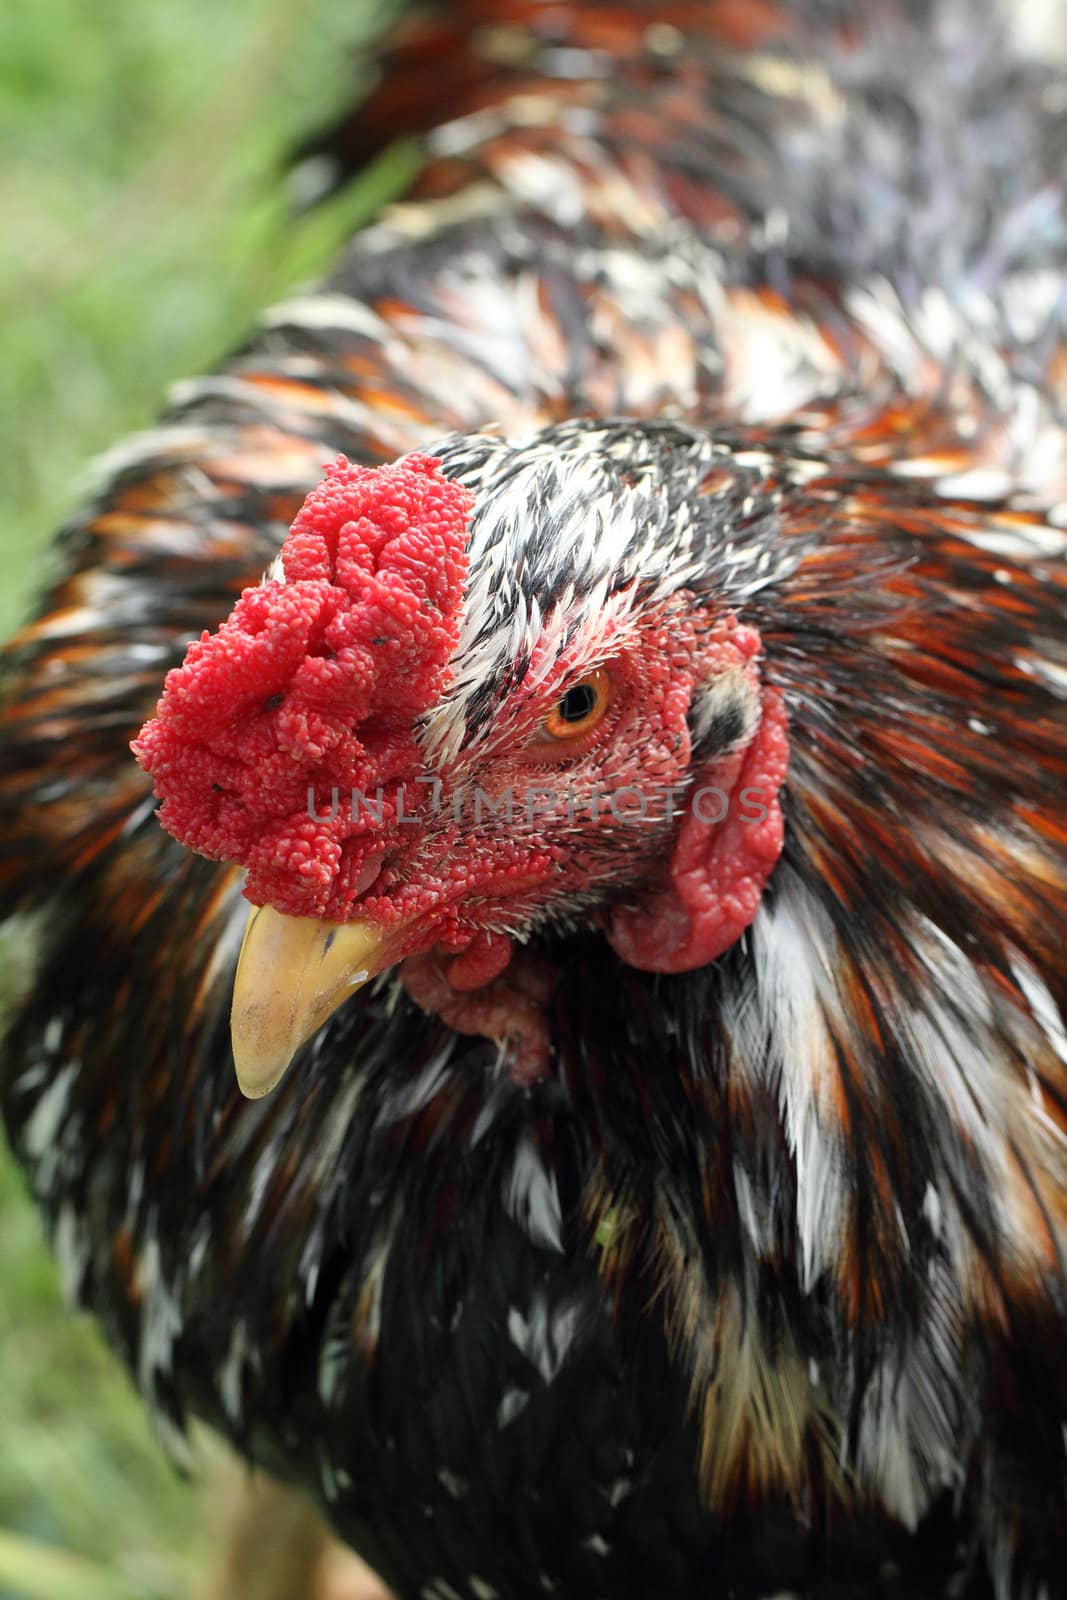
293, 973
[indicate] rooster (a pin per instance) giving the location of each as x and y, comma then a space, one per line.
645, 755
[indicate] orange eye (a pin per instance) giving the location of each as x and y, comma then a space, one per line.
579, 708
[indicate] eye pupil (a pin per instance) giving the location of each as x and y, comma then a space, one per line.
577, 702
578, 710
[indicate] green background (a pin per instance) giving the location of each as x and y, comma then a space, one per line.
143, 221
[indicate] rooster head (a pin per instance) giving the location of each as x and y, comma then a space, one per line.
477, 696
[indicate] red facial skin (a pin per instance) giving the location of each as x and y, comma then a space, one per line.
320, 684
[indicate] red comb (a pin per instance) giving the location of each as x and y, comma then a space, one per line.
315, 683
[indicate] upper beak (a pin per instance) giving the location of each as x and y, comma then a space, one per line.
293, 973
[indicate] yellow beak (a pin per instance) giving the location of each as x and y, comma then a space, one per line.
293, 973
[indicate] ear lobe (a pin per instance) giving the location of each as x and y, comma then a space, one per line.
727, 847
724, 713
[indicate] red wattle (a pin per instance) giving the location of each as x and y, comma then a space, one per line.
484, 959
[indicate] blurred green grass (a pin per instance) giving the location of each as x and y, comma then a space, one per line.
144, 223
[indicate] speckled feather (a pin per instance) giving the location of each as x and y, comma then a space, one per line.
761, 1289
